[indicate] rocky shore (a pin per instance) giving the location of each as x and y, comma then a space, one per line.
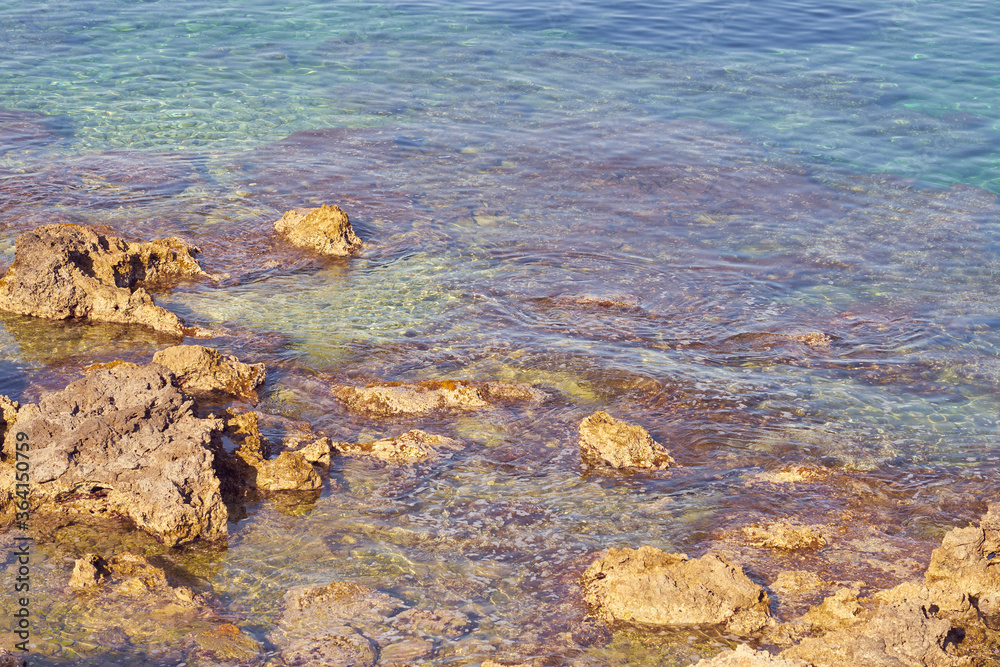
179, 449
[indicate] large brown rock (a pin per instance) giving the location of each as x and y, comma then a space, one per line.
392, 399
201, 369
647, 587
606, 441
70, 271
125, 441
326, 230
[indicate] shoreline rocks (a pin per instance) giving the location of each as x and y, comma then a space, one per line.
410, 447
203, 370
326, 229
606, 441
70, 271
125, 440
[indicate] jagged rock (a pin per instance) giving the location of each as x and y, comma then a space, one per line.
388, 400
90, 571
250, 462
125, 440
317, 452
606, 441
204, 370
785, 535
67, 270
414, 445
8, 659
648, 587
325, 229
744, 656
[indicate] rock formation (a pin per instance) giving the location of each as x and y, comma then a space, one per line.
414, 445
204, 370
326, 230
125, 440
647, 587
606, 441
70, 271
389, 400
250, 465
785, 535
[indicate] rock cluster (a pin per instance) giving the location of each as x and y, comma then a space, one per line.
650, 588
606, 441
70, 271
393, 399
326, 230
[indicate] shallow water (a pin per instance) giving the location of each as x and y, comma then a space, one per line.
767, 232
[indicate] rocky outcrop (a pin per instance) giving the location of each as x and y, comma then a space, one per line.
606, 441
125, 441
393, 399
326, 230
70, 271
412, 446
785, 536
202, 370
647, 587
344, 623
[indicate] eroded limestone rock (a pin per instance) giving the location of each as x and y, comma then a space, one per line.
8, 413
744, 656
251, 464
414, 445
325, 229
70, 271
201, 369
125, 440
606, 441
390, 399
651, 588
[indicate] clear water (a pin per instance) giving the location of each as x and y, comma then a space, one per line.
636, 206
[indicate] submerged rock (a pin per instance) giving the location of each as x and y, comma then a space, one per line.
204, 370
785, 535
25, 129
744, 656
389, 400
606, 441
414, 445
70, 271
224, 644
125, 441
647, 587
326, 230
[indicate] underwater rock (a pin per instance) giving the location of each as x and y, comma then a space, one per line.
224, 644
67, 270
326, 230
345, 647
204, 370
414, 445
785, 535
25, 129
389, 400
606, 441
125, 440
744, 656
647, 587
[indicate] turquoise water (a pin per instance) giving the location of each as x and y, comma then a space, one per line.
766, 231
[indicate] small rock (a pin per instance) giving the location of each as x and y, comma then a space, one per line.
204, 370
317, 452
8, 659
406, 652
648, 587
89, 572
605, 441
785, 535
414, 445
389, 400
290, 471
225, 643
66, 270
326, 230
346, 648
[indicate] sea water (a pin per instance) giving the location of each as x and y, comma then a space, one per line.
765, 231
